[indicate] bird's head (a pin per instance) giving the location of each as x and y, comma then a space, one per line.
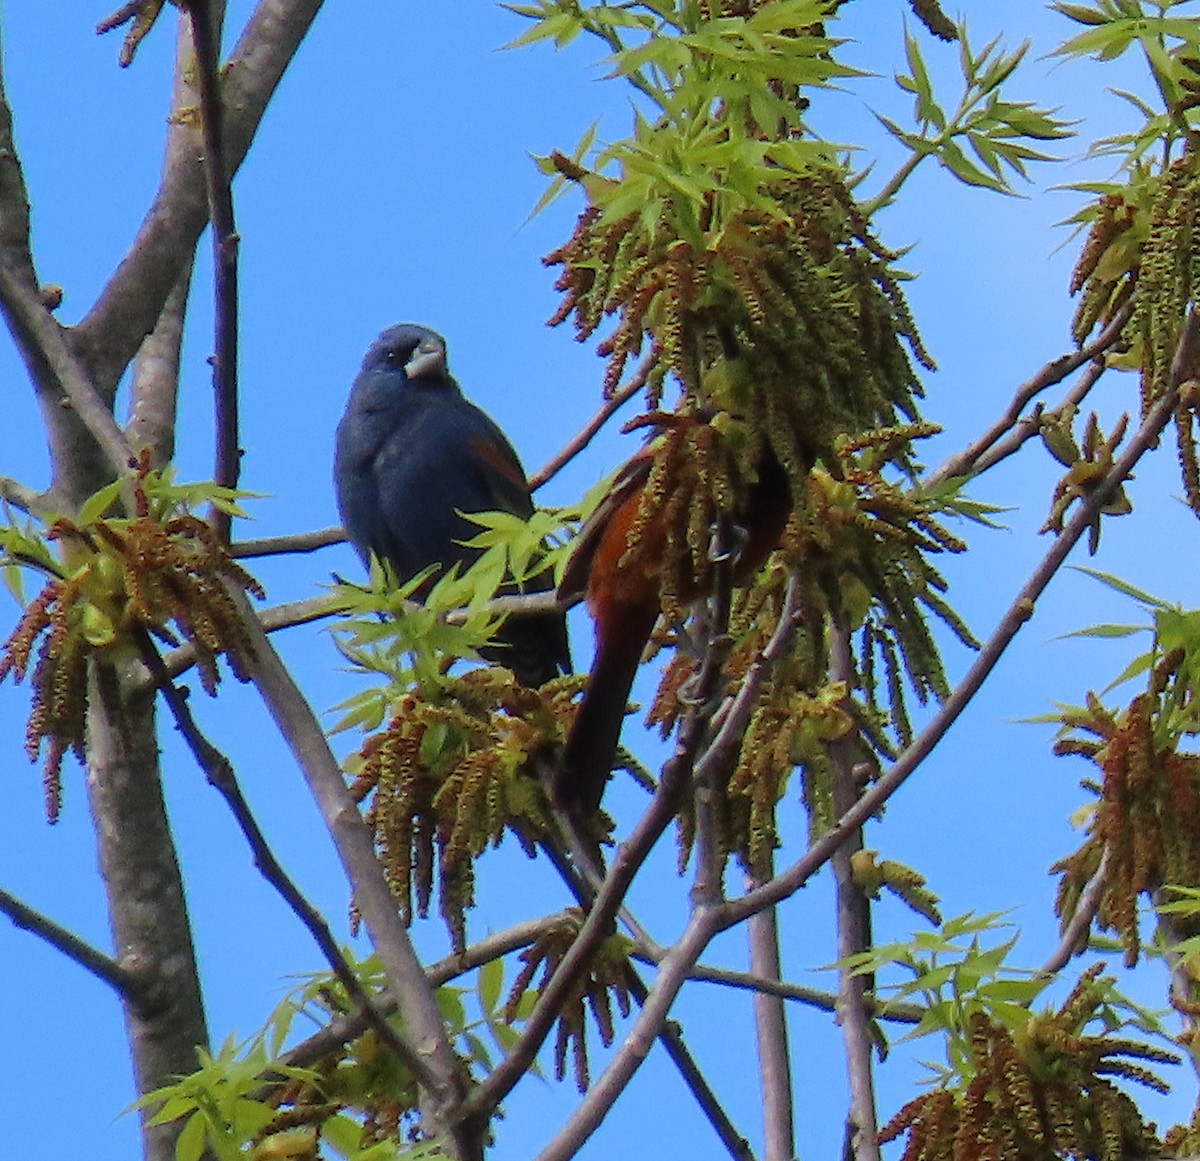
416, 350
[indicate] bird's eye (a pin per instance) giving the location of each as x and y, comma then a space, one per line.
392, 357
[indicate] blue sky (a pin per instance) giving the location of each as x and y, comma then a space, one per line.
391, 181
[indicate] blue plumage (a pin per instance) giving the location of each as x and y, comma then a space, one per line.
412, 453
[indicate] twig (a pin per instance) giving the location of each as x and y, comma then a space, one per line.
227, 468
897, 1012
103, 967
586, 433
1021, 610
968, 461
220, 774
1088, 903
853, 929
297, 542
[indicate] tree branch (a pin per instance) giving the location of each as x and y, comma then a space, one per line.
673, 972
968, 463
771, 1038
853, 928
586, 433
106, 969
1073, 942
227, 468
297, 542
131, 302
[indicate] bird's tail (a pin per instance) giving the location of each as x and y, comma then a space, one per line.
595, 733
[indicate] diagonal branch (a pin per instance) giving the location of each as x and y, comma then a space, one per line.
1073, 940
355, 847
673, 973
670, 1036
968, 461
103, 967
586, 433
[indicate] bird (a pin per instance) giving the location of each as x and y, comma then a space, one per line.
412, 454
621, 589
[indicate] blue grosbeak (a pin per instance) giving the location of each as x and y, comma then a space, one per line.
620, 581
412, 454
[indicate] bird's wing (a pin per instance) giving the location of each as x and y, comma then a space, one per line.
629, 480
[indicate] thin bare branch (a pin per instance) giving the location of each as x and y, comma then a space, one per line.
1074, 936
130, 304
1019, 612
771, 1038
297, 542
673, 973
1030, 425
103, 967
586, 433
671, 1035
966, 462
897, 1012
206, 38
853, 928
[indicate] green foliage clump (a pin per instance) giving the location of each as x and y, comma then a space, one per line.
1037, 1092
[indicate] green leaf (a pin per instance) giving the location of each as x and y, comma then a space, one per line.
1106, 631
1115, 582
490, 981
190, 1144
953, 158
98, 503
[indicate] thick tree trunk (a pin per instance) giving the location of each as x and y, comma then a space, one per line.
152, 937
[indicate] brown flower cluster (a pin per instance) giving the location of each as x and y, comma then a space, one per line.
450, 775
1038, 1092
605, 981
122, 579
1148, 815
